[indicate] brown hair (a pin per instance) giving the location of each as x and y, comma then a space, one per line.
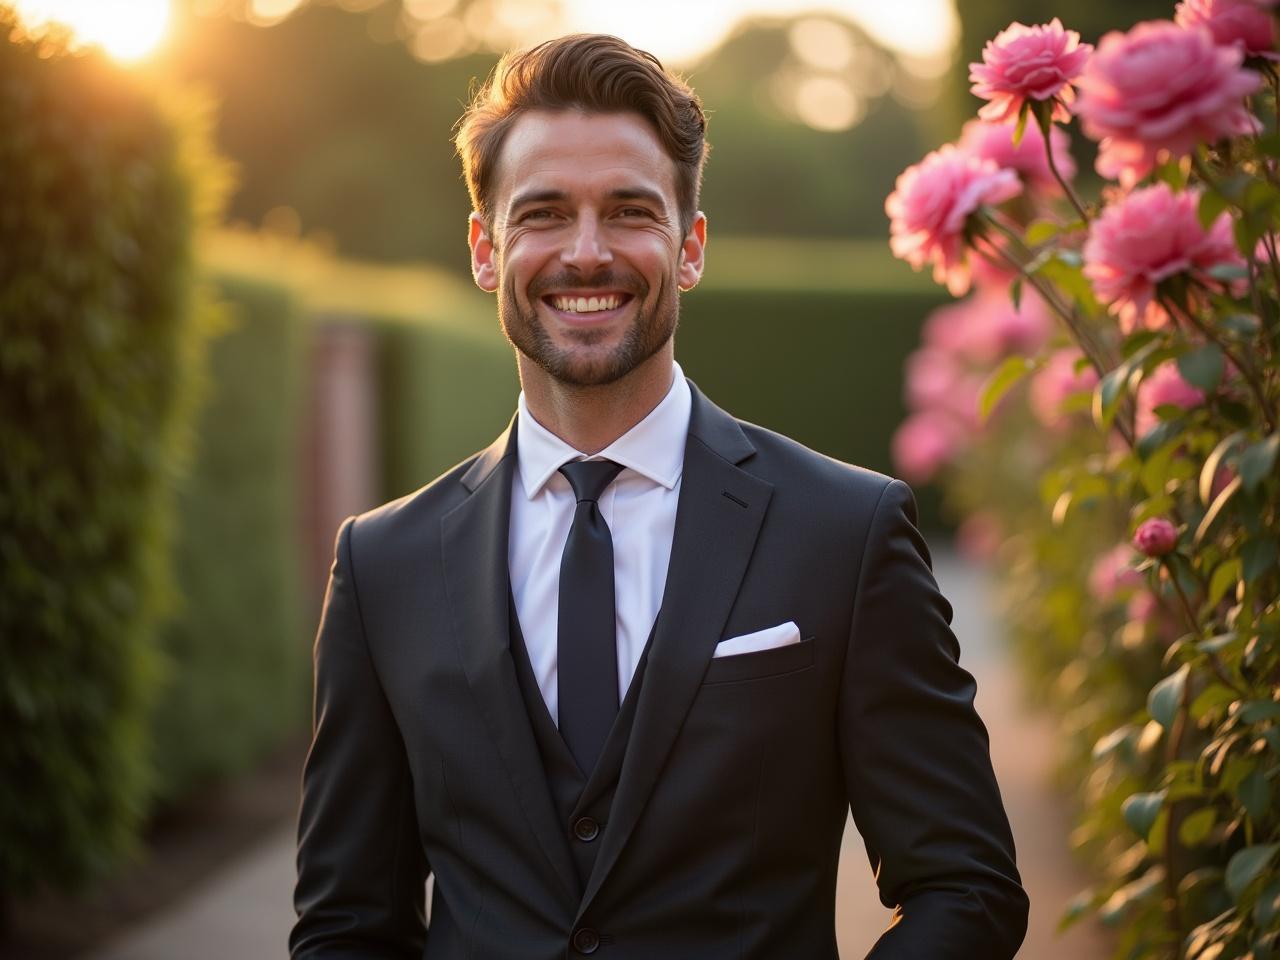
590, 72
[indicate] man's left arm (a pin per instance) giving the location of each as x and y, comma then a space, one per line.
917, 760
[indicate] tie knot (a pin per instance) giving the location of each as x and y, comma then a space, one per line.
590, 477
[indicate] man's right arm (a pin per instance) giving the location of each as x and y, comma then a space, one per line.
361, 870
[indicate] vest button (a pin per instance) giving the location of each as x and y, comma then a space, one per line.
586, 940
586, 829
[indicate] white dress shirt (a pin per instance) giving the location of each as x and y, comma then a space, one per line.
639, 507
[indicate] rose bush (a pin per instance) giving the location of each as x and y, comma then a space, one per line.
1102, 410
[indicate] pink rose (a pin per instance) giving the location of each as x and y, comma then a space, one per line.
931, 205
1238, 23
994, 141
1146, 238
1112, 572
1142, 607
979, 536
1155, 537
987, 327
1158, 91
1163, 387
922, 444
931, 378
947, 327
1028, 63
1055, 382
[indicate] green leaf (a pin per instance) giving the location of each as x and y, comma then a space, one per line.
1269, 145
1001, 381
1212, 204
1255, 711
1120, 738
1246, 237
1015, 293
1042, 230
1165, 696
1107, 394
1195, 829
1210, 471
1247, 865
1215, 509
1271, 736
1259, 461
1228, 271
1225, 577
1141, 809
1268, 906
1203, 367
1021, 128
1213, 696
1254, 792
1259, 558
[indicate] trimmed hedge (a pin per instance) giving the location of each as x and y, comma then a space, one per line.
236, 649
101, 328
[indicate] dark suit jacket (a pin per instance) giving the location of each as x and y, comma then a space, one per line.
726, 825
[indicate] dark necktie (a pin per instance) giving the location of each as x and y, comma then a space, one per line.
587, 650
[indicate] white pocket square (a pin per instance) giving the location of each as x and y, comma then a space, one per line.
780, 636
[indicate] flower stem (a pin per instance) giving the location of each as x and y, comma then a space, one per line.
1044, 119
1246, 369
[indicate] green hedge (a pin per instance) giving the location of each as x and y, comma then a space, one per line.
824, 367
237, 647
101, 328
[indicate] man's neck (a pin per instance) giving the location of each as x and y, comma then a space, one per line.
591, 418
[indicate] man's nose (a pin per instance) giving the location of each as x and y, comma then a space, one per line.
587, 249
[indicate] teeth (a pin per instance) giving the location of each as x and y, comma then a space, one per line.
585, 304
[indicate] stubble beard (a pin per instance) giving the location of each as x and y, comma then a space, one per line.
647, 334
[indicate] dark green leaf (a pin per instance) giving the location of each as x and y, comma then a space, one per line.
1259, 461
1255, 794
1255, 711
1015, 293
1002, 379
1141, 809
1259, 558
1215, 510
1203, 367
1228, 271
1021, 128
1268, 906
1247, 865
1213, 696
1165, 696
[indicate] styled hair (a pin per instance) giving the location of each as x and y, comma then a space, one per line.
594, 73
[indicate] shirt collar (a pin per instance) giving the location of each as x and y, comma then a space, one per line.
653, 448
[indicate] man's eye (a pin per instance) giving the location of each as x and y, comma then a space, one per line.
538, 215
634, 212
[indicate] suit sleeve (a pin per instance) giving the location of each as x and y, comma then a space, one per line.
917, 760
361, 871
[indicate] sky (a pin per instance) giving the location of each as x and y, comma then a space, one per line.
677, 31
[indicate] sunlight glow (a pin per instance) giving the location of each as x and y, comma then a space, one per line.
126, 29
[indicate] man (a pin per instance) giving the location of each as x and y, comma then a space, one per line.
615, 681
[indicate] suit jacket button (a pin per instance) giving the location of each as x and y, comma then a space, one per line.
586, 940
586, 829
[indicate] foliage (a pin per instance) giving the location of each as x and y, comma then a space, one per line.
1164, 665
101, 327
236, 648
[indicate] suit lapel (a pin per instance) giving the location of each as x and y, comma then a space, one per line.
475, 536
718, 519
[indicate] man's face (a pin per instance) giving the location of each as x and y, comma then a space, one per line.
586, 251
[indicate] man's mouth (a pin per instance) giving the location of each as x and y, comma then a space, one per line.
583, 304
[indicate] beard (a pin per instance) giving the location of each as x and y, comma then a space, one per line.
585, 362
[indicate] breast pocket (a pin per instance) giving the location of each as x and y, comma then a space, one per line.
761, 665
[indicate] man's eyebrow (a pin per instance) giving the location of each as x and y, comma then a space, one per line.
639, 193
536, 196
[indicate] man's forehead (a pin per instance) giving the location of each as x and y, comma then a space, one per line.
562, 151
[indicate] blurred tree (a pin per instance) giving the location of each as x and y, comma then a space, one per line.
328, 113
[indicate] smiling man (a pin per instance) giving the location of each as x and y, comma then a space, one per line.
616, 681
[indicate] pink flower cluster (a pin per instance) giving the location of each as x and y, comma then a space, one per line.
1238, 23
994, 141
1113, 572
962, 342
1056, 382
1024, 64
1158, 91
930, 207
1164, 387
1151, 235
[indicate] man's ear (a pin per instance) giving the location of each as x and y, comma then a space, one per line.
484, 267
692, 252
